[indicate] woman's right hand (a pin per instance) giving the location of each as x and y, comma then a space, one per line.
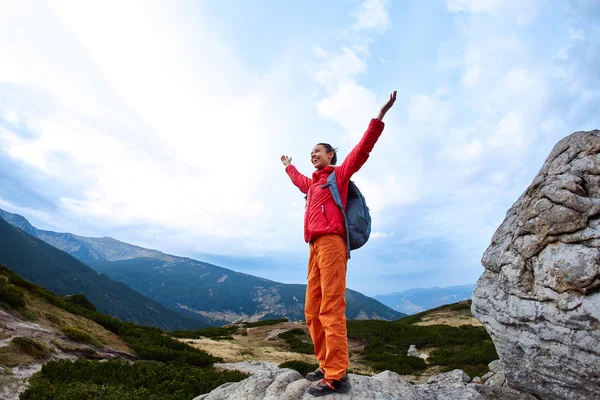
285, 160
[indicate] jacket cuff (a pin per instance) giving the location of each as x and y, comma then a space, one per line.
377, 123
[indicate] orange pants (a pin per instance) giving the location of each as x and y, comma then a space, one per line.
325, 307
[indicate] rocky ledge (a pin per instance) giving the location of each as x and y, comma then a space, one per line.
268, 382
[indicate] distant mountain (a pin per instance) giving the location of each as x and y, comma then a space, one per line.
227, 295
61, 273
413, 301
86, 250
197, 288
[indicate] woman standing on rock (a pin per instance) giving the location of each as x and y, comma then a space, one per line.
324, 231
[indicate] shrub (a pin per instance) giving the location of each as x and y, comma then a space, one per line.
291, 333
24, 283
295, 343
300, 366
81, 300
28, 315
386, 344
114, 379
53, 318
31, 347
265, 322
78, 335
205, 332
11, 295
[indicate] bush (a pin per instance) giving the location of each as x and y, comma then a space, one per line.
118, 380
81, 301
264, 323
205, 332
31, 347
300, 366
11, 295
53, 318
386, 344
295, 343
78, 335
163, 348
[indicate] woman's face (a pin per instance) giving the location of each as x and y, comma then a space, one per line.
319, 156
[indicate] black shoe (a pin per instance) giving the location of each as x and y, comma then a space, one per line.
329, 386
316, 375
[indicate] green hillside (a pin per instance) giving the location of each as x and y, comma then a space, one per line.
61, 273
165, 368
465, 347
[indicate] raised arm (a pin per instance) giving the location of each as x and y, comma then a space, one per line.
302, 182
360, 153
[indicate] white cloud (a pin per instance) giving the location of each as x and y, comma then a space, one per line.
522, 11
347, 102
381, 235
372, 15
146, 128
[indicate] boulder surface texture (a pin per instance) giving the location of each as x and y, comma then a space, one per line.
539, 296
268, 382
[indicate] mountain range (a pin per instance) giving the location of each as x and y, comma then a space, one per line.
197, 289
55, 270
416, 300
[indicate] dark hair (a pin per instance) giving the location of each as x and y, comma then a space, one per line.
330, 149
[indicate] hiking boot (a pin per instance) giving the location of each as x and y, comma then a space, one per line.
316, 375
329, 386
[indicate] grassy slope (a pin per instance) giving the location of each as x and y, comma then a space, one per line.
374, 346
168, 369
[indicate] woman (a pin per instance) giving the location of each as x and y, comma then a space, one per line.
325, 307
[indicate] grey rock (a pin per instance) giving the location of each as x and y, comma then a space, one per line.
538, 297
412, 351
274, 334
496, 380
449, 386
496, 366
247, 367
266, 384
487, 376
501, 393
271, 383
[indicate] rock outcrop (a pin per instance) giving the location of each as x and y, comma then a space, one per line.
271, 383
539, 296
268, 382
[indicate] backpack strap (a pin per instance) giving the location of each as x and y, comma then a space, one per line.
337, 198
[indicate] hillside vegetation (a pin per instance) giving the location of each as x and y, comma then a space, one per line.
450, 339
446, 347
165, 368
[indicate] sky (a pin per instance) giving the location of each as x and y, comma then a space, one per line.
162, 123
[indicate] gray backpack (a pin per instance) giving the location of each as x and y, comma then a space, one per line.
356, 215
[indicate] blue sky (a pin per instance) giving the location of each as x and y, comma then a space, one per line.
161, 123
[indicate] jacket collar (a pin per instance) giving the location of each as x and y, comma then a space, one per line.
325, 171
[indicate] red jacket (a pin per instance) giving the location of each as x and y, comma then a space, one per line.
322, 216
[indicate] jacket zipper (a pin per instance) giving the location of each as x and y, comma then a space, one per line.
325, 215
